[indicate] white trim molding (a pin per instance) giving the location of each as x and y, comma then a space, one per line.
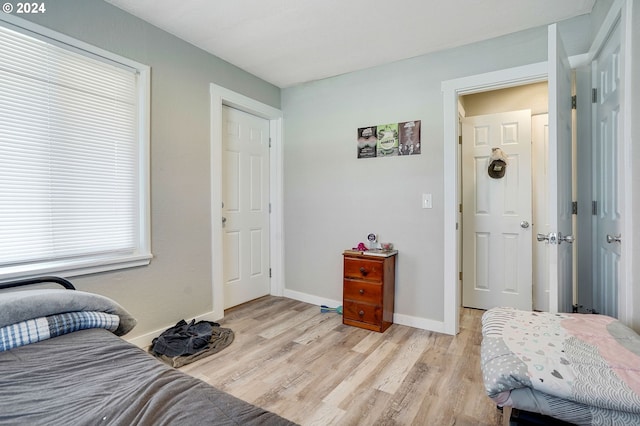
625, 294
221, 96
311, 299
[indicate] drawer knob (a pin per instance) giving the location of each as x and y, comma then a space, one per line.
361, 291
363, 271
361, 313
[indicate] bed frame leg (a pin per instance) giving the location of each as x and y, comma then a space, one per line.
506, 415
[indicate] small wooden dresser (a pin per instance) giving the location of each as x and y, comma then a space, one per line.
369, 289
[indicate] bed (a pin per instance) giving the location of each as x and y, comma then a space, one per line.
579, 368
62, 362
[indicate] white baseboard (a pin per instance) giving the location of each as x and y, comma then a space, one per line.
144, 341
421, 323
408, 320
310, 298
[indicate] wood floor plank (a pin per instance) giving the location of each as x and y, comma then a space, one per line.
325, 414
369, 343
390, 379
365, 407
300, 318
402, 408
363, 372
325, 326
308, 367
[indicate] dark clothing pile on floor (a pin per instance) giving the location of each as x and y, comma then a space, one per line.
187, 342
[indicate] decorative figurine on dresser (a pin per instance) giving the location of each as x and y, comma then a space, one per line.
369, 286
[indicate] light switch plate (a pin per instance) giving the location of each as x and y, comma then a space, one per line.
426, 201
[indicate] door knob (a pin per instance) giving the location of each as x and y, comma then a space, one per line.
567, 238
524, 224
614, 238
224, 221
551, 238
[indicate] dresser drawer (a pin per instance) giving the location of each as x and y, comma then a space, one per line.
363, 269
361, 291
364, 312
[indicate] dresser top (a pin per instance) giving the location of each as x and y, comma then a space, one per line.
372, 252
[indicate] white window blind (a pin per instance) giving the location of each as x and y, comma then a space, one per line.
70, 192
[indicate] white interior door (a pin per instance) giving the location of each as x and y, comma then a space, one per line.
607, 166
245, 210
540, 142
497, 213
560, 231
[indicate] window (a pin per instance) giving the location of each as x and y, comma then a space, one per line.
74, 148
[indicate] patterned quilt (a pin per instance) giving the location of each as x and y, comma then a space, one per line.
579, 368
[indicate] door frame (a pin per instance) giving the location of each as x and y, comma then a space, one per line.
221, 96
452, 89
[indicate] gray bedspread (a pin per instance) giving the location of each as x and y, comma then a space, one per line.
56, 368
92, 377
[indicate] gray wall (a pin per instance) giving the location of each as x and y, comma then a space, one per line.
333, 200
177, 283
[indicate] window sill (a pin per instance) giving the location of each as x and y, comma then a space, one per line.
73, 268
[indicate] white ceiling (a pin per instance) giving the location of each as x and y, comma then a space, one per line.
287, 42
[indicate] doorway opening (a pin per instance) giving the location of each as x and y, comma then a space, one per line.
501, 262
221, 98
452, 90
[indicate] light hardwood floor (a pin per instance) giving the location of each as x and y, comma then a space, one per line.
308, 367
